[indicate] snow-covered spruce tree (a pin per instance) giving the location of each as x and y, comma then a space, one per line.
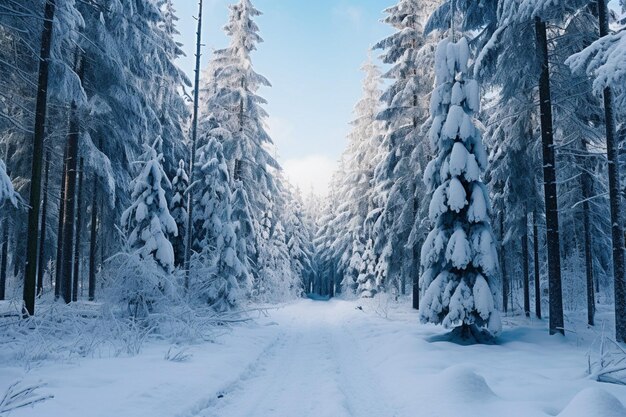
459, 255
277, 280
144, 277
178, 209
361, 158
219, 276
230, 96
212, 192
148, 221
397, 216
299, 237
366, 281
246, 237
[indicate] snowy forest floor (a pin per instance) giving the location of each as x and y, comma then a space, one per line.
332, 359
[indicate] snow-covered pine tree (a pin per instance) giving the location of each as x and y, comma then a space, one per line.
230, 96
229, 285
367, 283
212, 191
277, 280
148, 222
459, 255
396, 216
299, 238
220, 273
361, 158
178, 210
244, 229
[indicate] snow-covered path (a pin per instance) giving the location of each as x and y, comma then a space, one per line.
332, 359
311, 369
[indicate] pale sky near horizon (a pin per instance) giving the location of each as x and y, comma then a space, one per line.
312, 55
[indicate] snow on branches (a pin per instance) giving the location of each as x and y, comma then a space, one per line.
147, 221
459, 254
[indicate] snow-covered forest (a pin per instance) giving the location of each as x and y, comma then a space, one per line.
471, 240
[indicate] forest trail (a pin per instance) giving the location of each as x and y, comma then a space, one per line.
314, 367
333, 359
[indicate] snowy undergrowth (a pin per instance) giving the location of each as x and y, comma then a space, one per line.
62, 332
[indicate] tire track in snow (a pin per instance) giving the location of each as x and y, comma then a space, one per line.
299, 378
364, 395
247, 373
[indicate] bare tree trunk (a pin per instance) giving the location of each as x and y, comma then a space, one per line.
69, 218
57, 267
42, 239
526, 265
5, 253
587, 191
194, 137
30, 276
79, 218
549, 184
93, 238
617, 230
505, 278
416, 276
536, 265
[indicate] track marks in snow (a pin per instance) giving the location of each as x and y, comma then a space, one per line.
247, 373
316, 369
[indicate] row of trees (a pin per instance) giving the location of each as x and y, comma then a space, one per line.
547, 107
211, 215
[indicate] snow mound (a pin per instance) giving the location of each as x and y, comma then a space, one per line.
464, 385
594, 402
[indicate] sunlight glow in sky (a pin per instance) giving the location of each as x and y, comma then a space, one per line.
312, 54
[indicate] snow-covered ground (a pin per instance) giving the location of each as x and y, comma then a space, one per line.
315, 358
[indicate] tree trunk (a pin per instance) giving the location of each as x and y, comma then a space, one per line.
536, 265
194, 137
70, 204
79, 218
416, 276
30, 276
57, 267
93, 238
526, 266
586, 187
617, 230
505, 278
5, 253
69, 218
42, 239
549, 183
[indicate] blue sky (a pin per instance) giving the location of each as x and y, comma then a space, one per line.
312, 54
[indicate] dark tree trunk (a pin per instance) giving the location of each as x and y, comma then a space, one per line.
549, 183
4, 257
617, 230
586, 187
194, 137
93, 238
5, 253
505, 278
57, 267
30, 276
416, 276
526, 266
70, 204
69, 218
79, 218
42, 238
536, 265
